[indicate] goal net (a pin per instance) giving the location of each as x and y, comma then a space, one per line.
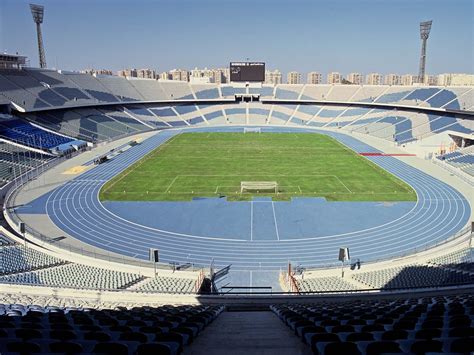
258, 186
252, 130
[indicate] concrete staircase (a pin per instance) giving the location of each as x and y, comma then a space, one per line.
249, 333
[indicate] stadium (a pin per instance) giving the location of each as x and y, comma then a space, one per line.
162, 216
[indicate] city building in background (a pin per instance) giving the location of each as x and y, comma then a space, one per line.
217, 76
293, 77
314, 77
453, 79
127, 73
374, 79
146, 73
355, 78
164, 76
392, 79
179, 75
334, 78
409, 79
97, 71
273, 77
431, 80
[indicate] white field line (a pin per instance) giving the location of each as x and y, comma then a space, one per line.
172, 182
342, 183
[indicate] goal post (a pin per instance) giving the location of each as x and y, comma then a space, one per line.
258, 186
252, 130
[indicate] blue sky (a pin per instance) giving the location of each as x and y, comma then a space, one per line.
302, 35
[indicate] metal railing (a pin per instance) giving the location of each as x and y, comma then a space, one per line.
459, 173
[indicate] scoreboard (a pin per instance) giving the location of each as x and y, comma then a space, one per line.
247, 71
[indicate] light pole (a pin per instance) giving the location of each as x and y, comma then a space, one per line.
38, 12
425, 28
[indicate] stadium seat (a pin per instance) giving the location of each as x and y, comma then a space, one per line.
427, 346
111, 348
154, 348
382, 347
341, 348
65, 347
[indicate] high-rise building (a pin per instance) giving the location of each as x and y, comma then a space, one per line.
130, 73
218, 76
431, 80
293, 77
179, 75
334, 78
409, 79
355, 78
273, 77
374, 79
146, 73
314, 77
392, 79
455, 79
164, 76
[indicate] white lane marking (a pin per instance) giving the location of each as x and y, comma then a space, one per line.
275, 220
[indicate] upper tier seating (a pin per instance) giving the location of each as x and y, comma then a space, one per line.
265, 92
342, 92
288, 92
150, 89
62, 86
230, 91
208, 91
18, 95
368, 93
120, 87
41, 88
33, 86
92, 87
177, 90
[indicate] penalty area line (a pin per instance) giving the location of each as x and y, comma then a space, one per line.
171, 184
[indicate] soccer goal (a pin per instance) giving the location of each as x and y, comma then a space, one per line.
252, 130
258, 186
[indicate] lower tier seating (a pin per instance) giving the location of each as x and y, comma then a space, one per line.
139, 330
441, 324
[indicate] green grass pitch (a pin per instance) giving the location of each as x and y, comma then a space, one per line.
213, 164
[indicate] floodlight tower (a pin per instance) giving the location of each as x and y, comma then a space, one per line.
37, 11
425, 28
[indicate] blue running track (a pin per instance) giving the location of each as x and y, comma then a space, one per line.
440, 212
